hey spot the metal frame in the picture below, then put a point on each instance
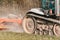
(57, 7)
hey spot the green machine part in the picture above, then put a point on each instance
(47, 4)
(43, 4)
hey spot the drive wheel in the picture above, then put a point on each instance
(56, 30)
(29, 25)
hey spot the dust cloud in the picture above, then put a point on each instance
(18, 8)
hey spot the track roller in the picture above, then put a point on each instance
(29, 24)
(56, 29)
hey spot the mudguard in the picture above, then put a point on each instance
(37, 10)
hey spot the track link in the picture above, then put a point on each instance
(44, 27)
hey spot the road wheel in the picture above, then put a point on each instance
(56, 30)
(29, 25)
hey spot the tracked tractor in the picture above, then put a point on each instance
(44, 20)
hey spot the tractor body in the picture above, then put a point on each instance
(44, 20)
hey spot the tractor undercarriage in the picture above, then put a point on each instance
(42, 25)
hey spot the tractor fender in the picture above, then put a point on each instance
(37, 11)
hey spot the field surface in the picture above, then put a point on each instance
(24, 36)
